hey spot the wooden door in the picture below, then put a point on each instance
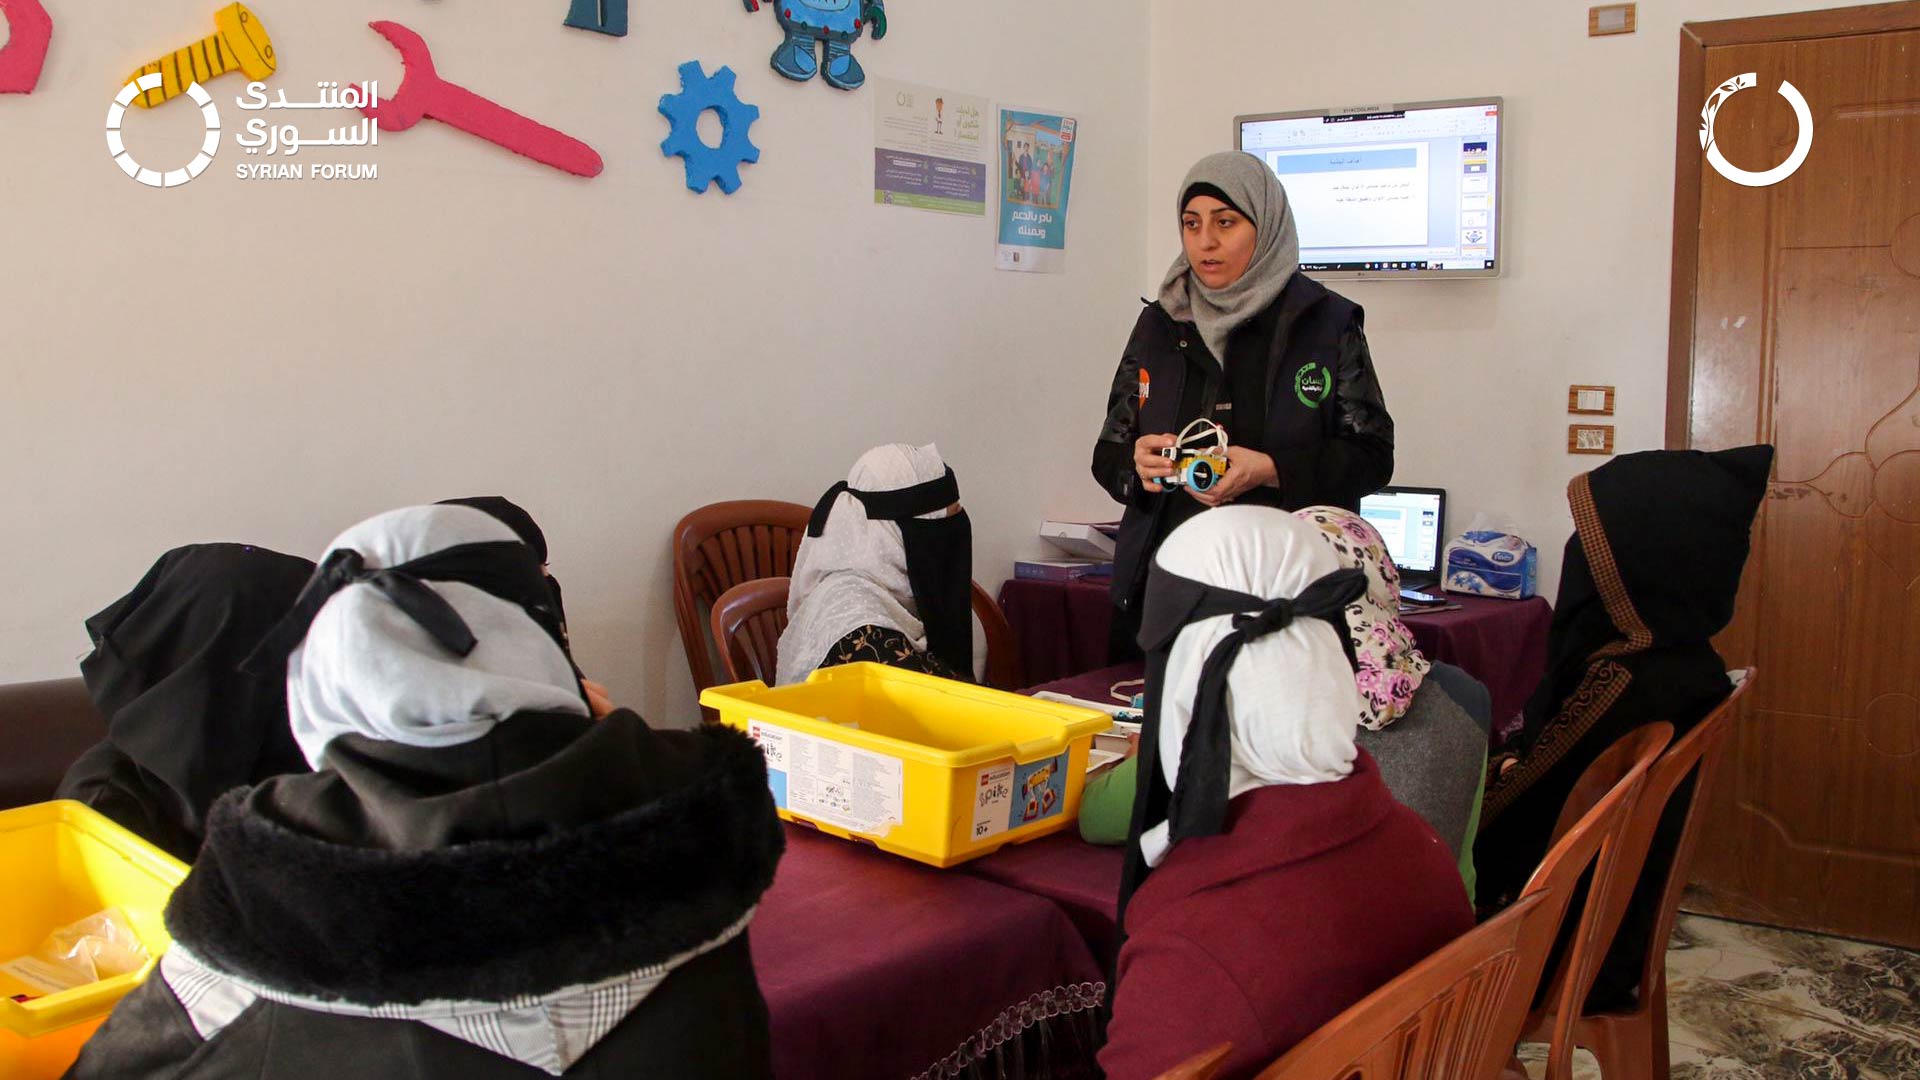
(1797, 322)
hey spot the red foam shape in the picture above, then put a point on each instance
(29, 28)
(423, 93)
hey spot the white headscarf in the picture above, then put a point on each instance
(1292, 705)
(854, 573)
(365, 667)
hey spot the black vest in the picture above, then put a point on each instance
(1302, 409)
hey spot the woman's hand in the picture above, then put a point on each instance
(1246, 470)
(1147, 462)
(599, 702)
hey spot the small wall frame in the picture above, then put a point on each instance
(1590, 400)
(1589, 438)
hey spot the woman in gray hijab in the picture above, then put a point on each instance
(1240, 337)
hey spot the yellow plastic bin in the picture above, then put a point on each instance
(62, 862)
(932, 769)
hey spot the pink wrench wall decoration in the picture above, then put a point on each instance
(423, 93)
(29, 28)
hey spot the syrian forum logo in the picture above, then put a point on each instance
(258, 138)
(175, 177)
(1728, 169)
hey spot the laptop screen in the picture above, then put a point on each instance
(1410, 520)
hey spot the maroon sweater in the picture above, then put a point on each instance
(1313, 897)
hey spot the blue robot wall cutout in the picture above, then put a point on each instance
(835, 25)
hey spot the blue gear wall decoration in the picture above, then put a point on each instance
(709, 164)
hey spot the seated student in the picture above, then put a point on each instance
(1650, 575)
(1430, 751)
(479, 881)
(1264, 844)
(184, 724)
(885, 571)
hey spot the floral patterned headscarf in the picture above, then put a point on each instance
(1390, 666)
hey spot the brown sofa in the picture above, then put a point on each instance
(44, 726)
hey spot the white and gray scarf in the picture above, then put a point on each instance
(855, 573)
(1256, 192)
(365, 667)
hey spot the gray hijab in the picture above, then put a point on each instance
(1256, 191)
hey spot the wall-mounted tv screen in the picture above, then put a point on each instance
(1389, 191)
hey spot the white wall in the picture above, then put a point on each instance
(1476, 372)
(272, 361)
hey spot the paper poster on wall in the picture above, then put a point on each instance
(930, 148)
(1036, 176)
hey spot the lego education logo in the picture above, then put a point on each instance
(1801, 145)
(260, 137)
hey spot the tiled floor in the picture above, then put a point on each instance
(1753, 1003)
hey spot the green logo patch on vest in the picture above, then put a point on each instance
(1312, 383)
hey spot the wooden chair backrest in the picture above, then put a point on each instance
(1697, 754)
(1201, 1066)
(746, 624)
(1459, 1012)
(1443, 1017)
(722, 545)
(1005, 669)
(1593, 823)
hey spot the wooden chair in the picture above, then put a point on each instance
(747, 620)
(719, 546)
(1443, 1018)
(1458, 1014)
(1632, 1045)
(1613, 784)
(1201, 1066)
(1005, 668)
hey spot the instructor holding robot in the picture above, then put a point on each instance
(1239, 342)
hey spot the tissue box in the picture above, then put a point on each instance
(1486, 563)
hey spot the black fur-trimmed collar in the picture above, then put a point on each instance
(487, 920)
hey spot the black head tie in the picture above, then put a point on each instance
(900, 504)
(1198, 806)
(341, 568)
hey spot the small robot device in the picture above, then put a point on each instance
(1197, 464)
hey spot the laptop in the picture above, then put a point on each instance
(1413, 522)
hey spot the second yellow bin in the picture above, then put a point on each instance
(61, 862)
(932, 769)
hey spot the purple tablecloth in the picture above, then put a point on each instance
(873, 965)
(1061, 628)
(1080, 877)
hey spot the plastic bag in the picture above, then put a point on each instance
(97, 947)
